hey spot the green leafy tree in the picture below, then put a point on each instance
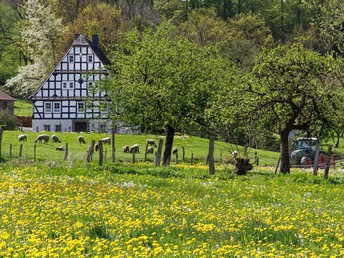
(101, 19)
(162, 81)
(290, 88)
(39, 32)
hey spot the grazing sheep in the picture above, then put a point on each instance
(126, 149)
(81, 139)
(150, 142)
(150, 150)
(134, 149)
(235, 154)
(174, 150)
(42, 137)
(106, 140)
(22, 138)
(60, 148)
(55, 138)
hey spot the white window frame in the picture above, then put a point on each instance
(57, 109)
(58, 128)
(48, 109)
(79, 108)
(90, 58)
(64, 85)
(46, 127)
(70, 58)
(71, 85)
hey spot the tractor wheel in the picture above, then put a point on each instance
(322, 159)
(306, 161)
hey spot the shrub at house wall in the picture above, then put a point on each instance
(8, 121)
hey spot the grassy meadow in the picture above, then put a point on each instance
(56, 208)
(78, 152)
(22, 107)
(120, 210)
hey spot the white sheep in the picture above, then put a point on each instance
(55, 138)
(134, 149)
(42, 137)
(81, 139)
(22, 138)
(106, 140)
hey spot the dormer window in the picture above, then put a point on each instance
(70, 58)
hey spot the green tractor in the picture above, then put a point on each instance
(304, 153)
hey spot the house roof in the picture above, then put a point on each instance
(4, 96)
(81, 40)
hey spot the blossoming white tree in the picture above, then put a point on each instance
(39, 32)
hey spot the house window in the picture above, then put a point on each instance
(57, 107)
(64, 85)
(81, 107)
(70, 59)
(102, 128)
(57, 128)
(4, 104)
(47, 128)
(71, 85)
(90, 58)
(47, 108)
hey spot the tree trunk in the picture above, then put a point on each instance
(284, 152)
(168, 145)
(336, 145)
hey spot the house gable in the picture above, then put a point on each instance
(62, 95)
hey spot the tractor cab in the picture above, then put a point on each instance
(305, 143)
(304, 151)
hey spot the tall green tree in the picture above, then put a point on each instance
(39, 32)
(162, 81)
(290, 88)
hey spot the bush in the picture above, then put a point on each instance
(8, 121)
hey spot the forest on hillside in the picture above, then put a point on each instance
(245, 25)
(246, 71)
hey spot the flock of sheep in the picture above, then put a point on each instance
(126, 149)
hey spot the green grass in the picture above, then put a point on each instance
(22, 107)
(77, 152)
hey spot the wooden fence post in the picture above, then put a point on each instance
(113, 150)
(183, 153)
(211, 156)
(316, 160)
(221, 156)
(20, 150)
(100, 150)
(10, 151)
(34, 152)
(278, 162)
(328, 161)
(191, 160)
(66, 152)
(158, 153)
(1, 133)
(146, 151)
(90, 151)
(177, 158)
(134, 156)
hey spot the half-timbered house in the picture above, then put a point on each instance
(62, 101)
